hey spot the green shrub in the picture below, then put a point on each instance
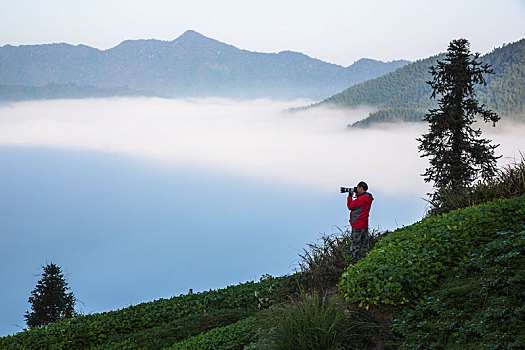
(234, 336)
(482, 305)
(407, 263)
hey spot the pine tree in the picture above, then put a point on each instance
(50, 300)
(458, 156)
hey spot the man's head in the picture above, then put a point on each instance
(362, 187)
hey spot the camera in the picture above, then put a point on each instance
(348, 189)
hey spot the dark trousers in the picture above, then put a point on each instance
(360, 244)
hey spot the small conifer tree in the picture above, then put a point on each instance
(458, 156)
(50, 300)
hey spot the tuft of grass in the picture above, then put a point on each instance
(508, 182)
(316, 321)
(323, 262)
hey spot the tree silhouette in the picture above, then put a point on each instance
(458, 156)
(50, 300)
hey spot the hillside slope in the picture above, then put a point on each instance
(404, 268)
(186, 315)
(404, 94)
(190, 65)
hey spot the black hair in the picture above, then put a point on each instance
(363, 185)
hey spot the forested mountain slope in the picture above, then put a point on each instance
(404, 95)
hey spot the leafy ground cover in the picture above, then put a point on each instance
(89, 331)
(406, 264)
(234, 336)
(167, 334)
(479, 306)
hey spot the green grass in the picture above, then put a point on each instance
(508, 182)
(317, 321)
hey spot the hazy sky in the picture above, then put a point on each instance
(338, 31)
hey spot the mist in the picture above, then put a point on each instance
(311, 149)
(257, 138)
(144, 198)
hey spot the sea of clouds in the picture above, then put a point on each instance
(258, 138)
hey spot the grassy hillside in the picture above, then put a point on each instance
(453, 281)
(156, 324)
(403, 94)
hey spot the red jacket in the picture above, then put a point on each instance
(359, 210)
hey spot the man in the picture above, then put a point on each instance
(359, 211)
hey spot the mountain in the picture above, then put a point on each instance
(60, 91)
(191, 65)
(404, 95)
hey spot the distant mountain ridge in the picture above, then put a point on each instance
(404, 95)
(61, 91)
(191, 65)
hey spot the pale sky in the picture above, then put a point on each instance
(338, 31)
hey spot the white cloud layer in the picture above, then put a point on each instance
(311, 149)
